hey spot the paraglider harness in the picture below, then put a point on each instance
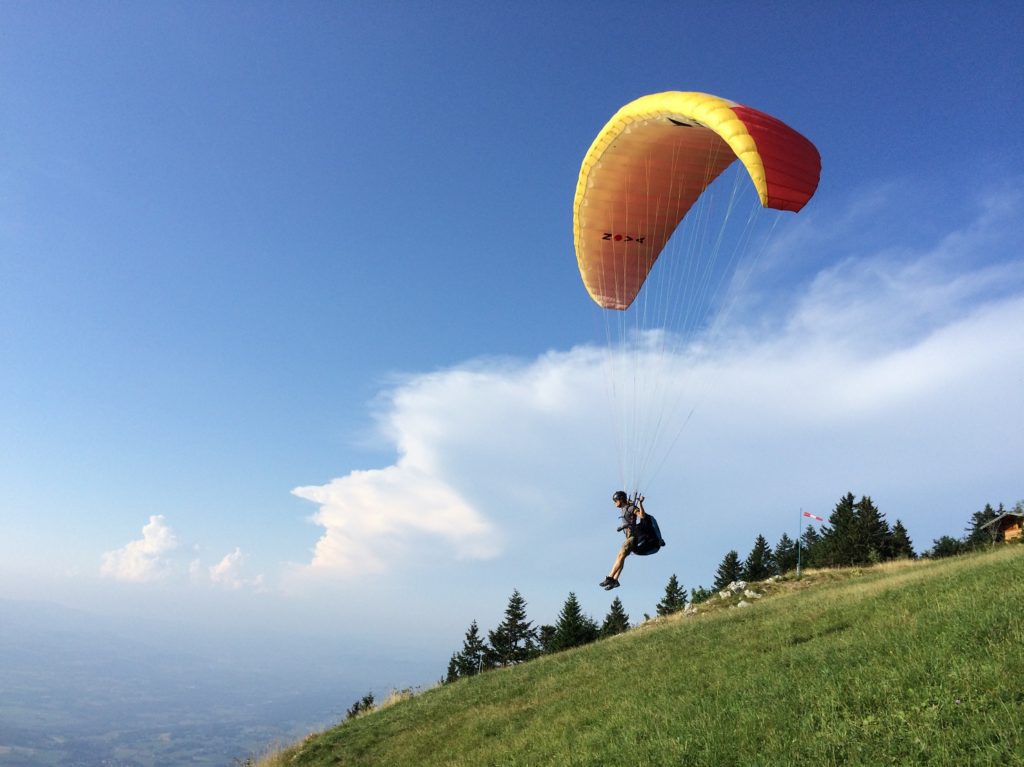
(646, 535)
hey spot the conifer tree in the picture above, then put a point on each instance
(976, 536)
(839, 539)
(811, 544)
(573, 628)
(616, 621)
(902, 546)
(515, 640)
(946, 546)
(730, 570)
(872, 536)
(700, 594)
(674, 599)
(470, 660)
(546, 638)
(453, 669)
(759, 563)
(785, 555)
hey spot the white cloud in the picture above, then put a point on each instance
(897, 375)
(153, 558)
(372, 517)
(145, 559)
(228, 573)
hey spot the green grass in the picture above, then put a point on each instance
(902, 664)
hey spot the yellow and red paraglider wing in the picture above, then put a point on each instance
(652, 161)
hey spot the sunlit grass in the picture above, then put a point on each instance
(904, 663)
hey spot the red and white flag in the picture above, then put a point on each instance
(812, 516)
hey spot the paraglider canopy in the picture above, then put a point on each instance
(651, 162)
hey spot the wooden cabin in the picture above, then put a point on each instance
(1006, 526)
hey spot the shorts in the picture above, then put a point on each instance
(627, 546)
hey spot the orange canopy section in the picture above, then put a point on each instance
(651, 162)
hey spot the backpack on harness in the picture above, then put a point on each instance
(647, 536)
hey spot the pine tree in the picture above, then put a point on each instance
(674, 599)
(470, 660)
(902, 546)
(946, 546)
(873, 539)
(759, 563)
(785, 555)
(839, 539)
(453, 670)
(976, 536)
(700, 594)
(616, 621)
(515, 640)
(730, 570)
(573, 628)
(811, 545)
(546, 638)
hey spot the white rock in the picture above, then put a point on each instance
(743, 603)
(751, 594)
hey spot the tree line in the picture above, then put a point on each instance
(855, 534)
(517, 640)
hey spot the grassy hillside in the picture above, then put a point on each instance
(901, 664)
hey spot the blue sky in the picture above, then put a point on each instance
(293, 325)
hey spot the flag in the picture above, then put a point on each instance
(812, 516)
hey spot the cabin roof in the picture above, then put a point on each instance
(1005, 514)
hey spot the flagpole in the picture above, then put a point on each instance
(799, 543)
